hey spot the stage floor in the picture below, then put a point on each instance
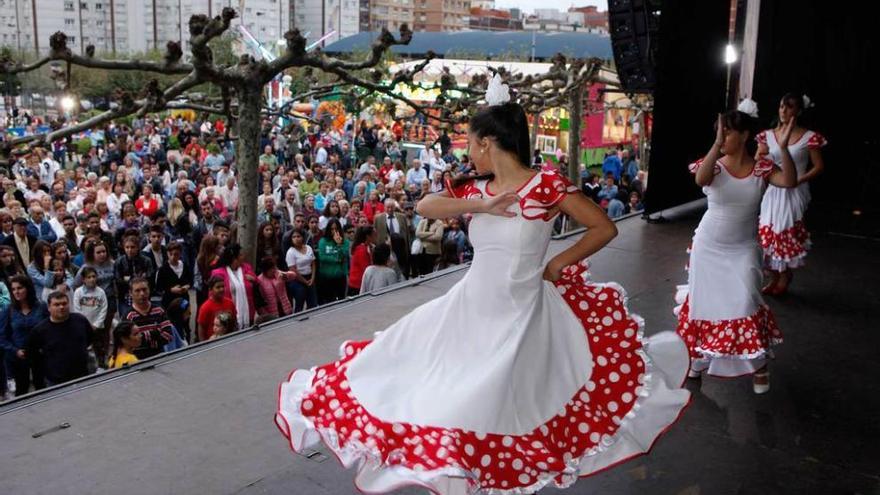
(202, 421)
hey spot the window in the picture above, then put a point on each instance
(68, 6)
(69, 22)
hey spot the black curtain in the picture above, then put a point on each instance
(828, 51)
(691, 77)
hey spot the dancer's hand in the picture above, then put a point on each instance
(719, 131)
(498, 205)
(553, 271)
(786, 132)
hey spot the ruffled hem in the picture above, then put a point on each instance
(610, 432)
(785, 249)
(745, 338)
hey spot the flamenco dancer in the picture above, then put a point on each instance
(522, 374)
(781, 229)
(722, 318)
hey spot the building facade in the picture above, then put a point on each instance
(441, 15)
(317, 18)
(391, 14)
(493, 20)
(129, 26)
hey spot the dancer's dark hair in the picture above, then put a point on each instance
(508, 125)
(743, 122)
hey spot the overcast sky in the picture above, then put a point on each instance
(530, 5)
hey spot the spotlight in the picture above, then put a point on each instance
(68, 103)
(729, 54)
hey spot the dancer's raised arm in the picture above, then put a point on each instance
(443, 205)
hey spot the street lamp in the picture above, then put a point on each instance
(68, 104)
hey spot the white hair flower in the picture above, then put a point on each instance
(807, 102)
(748, 107)
(497, 93)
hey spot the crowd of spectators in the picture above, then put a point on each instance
(119, 244)
(122, 248)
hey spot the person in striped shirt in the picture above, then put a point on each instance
(150, 321)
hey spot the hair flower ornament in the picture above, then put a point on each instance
(748, 107)
(497, 93)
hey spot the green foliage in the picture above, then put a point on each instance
(83, 146)
(173, 142)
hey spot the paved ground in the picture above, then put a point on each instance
(201, 422)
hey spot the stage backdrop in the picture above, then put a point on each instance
(828, 50)
(690, 93)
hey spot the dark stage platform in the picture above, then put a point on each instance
(201, 421)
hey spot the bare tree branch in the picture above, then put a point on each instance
(60, 52)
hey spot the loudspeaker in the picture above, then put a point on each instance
(634, 26)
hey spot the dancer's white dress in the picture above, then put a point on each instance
(782, 233)
(502, 385)
(721, 315)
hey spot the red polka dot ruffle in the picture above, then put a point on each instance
(586, 425)
(743, 338)
(787, 245)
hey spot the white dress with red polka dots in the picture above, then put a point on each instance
(721, 315)
(505, 383)
(781, 232)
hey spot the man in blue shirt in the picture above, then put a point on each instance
(39, 227)
(612, 165)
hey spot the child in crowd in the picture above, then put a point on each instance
(379, 274)
(273, 287)
(90, 300)
(125, 341)
(224, 324)
(216, 303)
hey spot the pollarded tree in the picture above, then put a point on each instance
(240, 83)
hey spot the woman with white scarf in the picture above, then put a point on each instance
(240, 280)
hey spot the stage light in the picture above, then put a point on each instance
(68, 103)
(729, 54)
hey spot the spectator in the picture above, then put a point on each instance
(455, 234)
(217, 302)
(131, 265)
(630, 165)
(239, 283)
(90, 300)
(125, 340)
(379, 274)
(635, 201)
(39, 227)
(224, 323)
(97, 257)
(393, 227)
(154, 250)
(333, 256)
(149, 320)
(147, 204)
(16, 326)
(608, 191)
(430, 234)
(61, 342)
(180, 314)
(301, 258)
(449, 256)
(416, 174)
(361, 256)
(612, 165)
(591, 187)
(21, 242)
(175, 278)
(272, 283)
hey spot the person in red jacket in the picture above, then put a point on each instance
(361, 257)
(148, 204)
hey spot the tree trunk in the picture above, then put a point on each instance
(575, 117)
(536, 122)
(248, 155)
